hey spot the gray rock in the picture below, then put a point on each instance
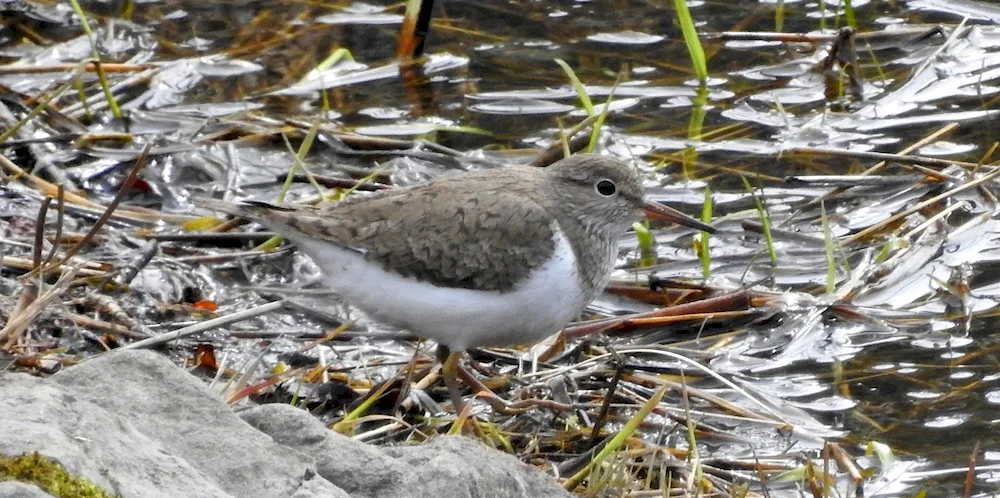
(90, 442)
(173, 407)
(136, 425)
(11, 489)
(358, 468)
(319, 488)
(447, 466)
(454, 466)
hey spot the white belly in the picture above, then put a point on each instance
(458, 318)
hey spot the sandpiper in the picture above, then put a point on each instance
(497, 257)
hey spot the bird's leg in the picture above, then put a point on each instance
(449, 371)
(470, 380)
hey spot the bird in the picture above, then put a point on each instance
(496, 257)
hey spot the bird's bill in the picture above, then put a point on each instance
(657, 211)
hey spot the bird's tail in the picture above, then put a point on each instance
(254, 210)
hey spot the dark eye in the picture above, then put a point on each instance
(606, 188)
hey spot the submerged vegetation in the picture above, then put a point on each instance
(859, 158)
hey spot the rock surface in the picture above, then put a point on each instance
(447, 466)
(12, 489)
(138, 426)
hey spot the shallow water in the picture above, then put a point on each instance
(903, 367)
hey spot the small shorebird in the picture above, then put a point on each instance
(498, 257)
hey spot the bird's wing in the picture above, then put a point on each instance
(451, 237)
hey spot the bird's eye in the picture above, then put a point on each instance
(606, 188)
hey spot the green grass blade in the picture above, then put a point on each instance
(344, 425)
(647, 250)
(691, 40)
(40, 108)
(831, 262)
(849, 14)
(472, 130)
(270, 244)
(581, 91)
(765, 220)
(299, 160)
(689, 158)
(81, 93)
(274, 242)
(334, 58)
(595, 134)
(616, 442)
(703, 253)
(797, 474)
(779, 16)
(101, 76)
(882, 451)
(693, 455)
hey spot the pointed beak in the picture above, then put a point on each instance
(657, 211)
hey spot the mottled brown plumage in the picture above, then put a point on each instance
(456, 232)
(485, 230)
(499, 257)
